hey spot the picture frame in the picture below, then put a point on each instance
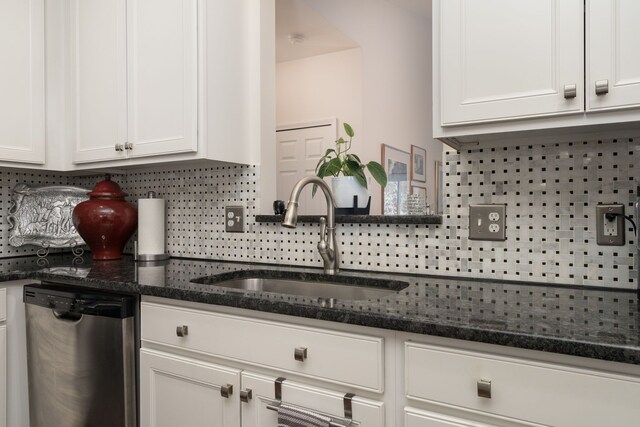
(438, 188)
(419, 189)
(418, 164)
(396, 164)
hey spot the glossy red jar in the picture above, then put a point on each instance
(106, 221)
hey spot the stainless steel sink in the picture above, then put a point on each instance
(308, 286)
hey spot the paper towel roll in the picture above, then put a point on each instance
(151, 227)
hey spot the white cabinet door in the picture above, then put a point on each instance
(613, 46)
(162, 76)
(178, 391)
(98, 79)
(502, 59)
(22, 104)
(255, 413)
(419, 418)
(3, 376)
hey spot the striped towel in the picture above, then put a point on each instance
(288, 416)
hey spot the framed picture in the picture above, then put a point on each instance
(418, 164)
(439, 208)
(419, 189)
(394, 196)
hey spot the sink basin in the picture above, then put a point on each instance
(306, 285)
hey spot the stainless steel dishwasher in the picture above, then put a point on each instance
(81, 357)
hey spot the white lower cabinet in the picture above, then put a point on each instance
(3, 375)
(177, 391)
(191, 352)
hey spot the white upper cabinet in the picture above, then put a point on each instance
(22, 101)
(613, 46)
(502, 59)
(505, 67)
(162, 68)
(98, 79)
(134, 78)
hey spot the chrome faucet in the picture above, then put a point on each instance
(327, 246)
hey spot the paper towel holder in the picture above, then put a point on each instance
(148, 257)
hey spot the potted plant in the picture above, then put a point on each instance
(348, 174)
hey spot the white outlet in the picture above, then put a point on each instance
(610, 227)
(494, 228)
(494, 216)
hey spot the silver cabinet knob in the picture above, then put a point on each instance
(128, 145)
(602, 87)
(182, 331)
(226, 390)
(300, 354)
(119, 147)
(484, 389)
(570, 91)
(246, 395)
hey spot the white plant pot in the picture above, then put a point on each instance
(345, 187)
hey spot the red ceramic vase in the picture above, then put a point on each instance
(106, 221)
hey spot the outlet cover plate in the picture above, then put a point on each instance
(234, 219)
(487, 222)
(610, 233)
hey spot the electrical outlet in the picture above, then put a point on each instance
(610, 231)
(487, 222)
(234, 219)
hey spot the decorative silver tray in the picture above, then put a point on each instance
(41, 216)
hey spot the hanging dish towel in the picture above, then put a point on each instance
(288, 416)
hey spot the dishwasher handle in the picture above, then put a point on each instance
(66, 315)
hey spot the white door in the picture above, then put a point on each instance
(178, 391)
(419, 418)
(366, 412)
(298, 150)
(98, 79)
(22, 105)
(505, 59)
(162, 69)
(613, 61)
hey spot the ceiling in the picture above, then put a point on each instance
(295, 17)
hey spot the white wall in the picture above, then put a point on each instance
(395, 48)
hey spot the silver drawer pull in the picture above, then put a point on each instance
(119, 147)
(570, 91)
(128, 145)
(246, 395)
(484, 389)
(602, 87)
(182, 331)
(300, 354)
(226, 390)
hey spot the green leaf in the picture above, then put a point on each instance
(359, 176)
(340, 141)
(321, 170)
(354, 158)
(351, 168)
(377, 172)
(313, 191)
(333, 167)
(348, 129)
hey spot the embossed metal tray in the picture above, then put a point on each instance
(41, 216)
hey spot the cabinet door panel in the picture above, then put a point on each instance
(503, 60)
(255, 413)
(22, 104)
(162, 53)
(3, 376)
(613, 37)
(98, 79)
(178, 391)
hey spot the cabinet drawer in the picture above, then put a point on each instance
(3, 304)
(338, 357)
(520, 389)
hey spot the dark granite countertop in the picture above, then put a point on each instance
(589, 322)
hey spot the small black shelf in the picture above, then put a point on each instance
(361, 219)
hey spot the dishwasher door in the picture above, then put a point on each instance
(80, 357)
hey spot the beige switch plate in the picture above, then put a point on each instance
(487, 222)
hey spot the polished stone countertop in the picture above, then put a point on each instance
(590, 322)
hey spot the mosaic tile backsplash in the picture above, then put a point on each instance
(551, 191)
